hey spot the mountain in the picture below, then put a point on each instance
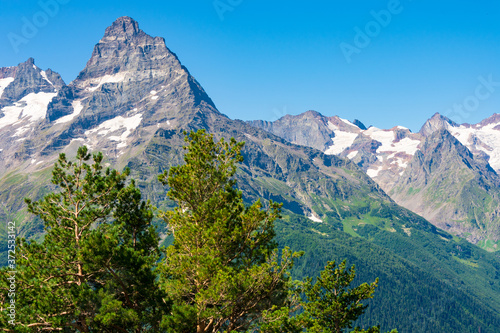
(452, 188)
(393, 158)
(134, 100)
(482, 139)
(382, 154)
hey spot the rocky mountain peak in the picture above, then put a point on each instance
(312, 114)
(359, 124)
(27, 78)
(494, 119)
(435, 123)
(126, 51)
(123, 27)
(132, 79)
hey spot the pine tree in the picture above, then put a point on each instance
(93, 272)
(331, 304)
(222, 268)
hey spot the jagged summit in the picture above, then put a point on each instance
(131, 83)
(24, 79)
(436, 122)
(359, 124)
(126, 48)
(123, 27)
(493, 119)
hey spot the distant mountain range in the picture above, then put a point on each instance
(446, 172)
(134, 100)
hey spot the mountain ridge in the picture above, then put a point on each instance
(386, 154)
(135, 100)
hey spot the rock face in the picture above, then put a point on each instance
(453, 189)
(25, 92)
(436, 123)
(25, 79)
(308, 129)
(129, 77)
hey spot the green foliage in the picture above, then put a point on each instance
(93, 270)
(329, 305)
(332, 304)
(223, 269)
(422, 287)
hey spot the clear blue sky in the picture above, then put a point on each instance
(267, 58)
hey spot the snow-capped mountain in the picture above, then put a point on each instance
(382, 154)
(133, 101)
(483, 139)
(394, 159)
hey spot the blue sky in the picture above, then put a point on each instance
(261, 59)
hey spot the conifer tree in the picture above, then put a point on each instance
(331, 304)
(223, 268)
(93, 270)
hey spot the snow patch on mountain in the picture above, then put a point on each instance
(406, 145)
(4, 83)
(373, 172)
(32, 106)
(314, 218)
(115, 78)
(21, 130)
(341, 141)
(347, 122)
(117, 124)
(77, 107)
(385, 137)
(485, 138)
(352, 154)
(44, 75)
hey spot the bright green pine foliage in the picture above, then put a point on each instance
(93, 270)
(222, 269)
(332, 304)
(329, 305)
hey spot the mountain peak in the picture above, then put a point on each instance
(359, 124)
(493, 119)
(312, 114)
(126, 48)
(30, 61)
(436, 122)
(123, 27)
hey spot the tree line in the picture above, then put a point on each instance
(99, 267)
